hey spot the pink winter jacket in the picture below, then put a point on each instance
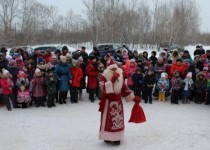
(38, 86)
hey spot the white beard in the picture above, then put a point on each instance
(117, 86)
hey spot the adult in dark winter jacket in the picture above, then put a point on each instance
(95, 52)
(92, 73)
(199, 50)
(64, 77)
(13, 69)
(159, 68)
(145, 55)
(65, 50)
(138, 82)
(201, 86)
(118, 56)
(30, 69)
(3, 62)
(186, 56)
(135, 55)
(3, 50)
(84, 55)
(153, 58)
(202, 63)
(149, 81)
(208, 55)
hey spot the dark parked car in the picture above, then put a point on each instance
(112, 47)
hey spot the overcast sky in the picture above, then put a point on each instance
(77, 6)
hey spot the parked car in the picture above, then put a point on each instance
(175, 46)
(112, 47)
(170, 47)
(51, 47)
(29, 49)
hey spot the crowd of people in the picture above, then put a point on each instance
(46, 78)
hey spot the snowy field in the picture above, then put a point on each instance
(75, 127)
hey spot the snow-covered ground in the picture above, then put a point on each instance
(75, 127)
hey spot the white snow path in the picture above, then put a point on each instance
(75, 127)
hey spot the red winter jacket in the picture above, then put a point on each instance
(6, 86)
(181, 68)
(92, 74)
(48, 58)
(76, 73)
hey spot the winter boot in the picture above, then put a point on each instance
(159, 96)
(163, 96)
(61, 98)
(24, 105)
(116, 143)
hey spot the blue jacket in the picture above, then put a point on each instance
(62, 73)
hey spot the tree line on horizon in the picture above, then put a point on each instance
(29, 22)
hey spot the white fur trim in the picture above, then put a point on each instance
(110, 136)
(112, 66)
(109, 87)
(117, 86)
(130, 97)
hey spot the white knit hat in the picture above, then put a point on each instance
(163, 75)
(5, 72)
(37, 71)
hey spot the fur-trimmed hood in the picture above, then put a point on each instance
(201, 74)
(117, 86)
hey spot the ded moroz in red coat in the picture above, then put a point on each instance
(76, 73)
(111, 106)
(92, 74)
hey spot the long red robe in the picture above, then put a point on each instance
(111, 106)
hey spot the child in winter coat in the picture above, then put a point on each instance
(176, 86)
(138, 82)
(188, 86)
(38, 88)
(162, 86)
(82, 65)
(201, 86)
(7, 93)
(51, 82)
(149, 81)
(131, 71)
(23, 96)
(101, 70)
(92, 73)
(76, 73)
